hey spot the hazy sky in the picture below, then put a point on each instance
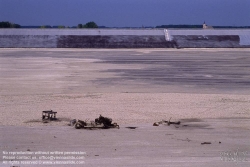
(128, 13)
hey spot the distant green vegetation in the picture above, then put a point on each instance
(6, 24)
(46, 26)
(88, 25)
(61, 26)
(79, 26)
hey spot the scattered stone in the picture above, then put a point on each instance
(72, 122)
(206, 143)
(156, 124)
(131, 127)
(80, 124)
(167, 122)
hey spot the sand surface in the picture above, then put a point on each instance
(123, 108)
(210, 88)
(130, 86)
(146, 145)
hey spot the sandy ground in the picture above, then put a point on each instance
(146, 145)
(132, 86)
(141, 86)
(123, 108)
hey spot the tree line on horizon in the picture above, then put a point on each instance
(92, 24)
(87, 25)
(6, 24)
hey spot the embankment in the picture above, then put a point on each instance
(123, 38)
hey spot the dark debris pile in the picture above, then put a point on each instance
(99, 123)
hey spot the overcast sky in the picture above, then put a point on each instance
(129, 13)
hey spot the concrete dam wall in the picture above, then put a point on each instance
(123, 38)
(210, 38)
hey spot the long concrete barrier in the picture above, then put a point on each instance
(83, 38)
(123, 38)
(210, 38)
